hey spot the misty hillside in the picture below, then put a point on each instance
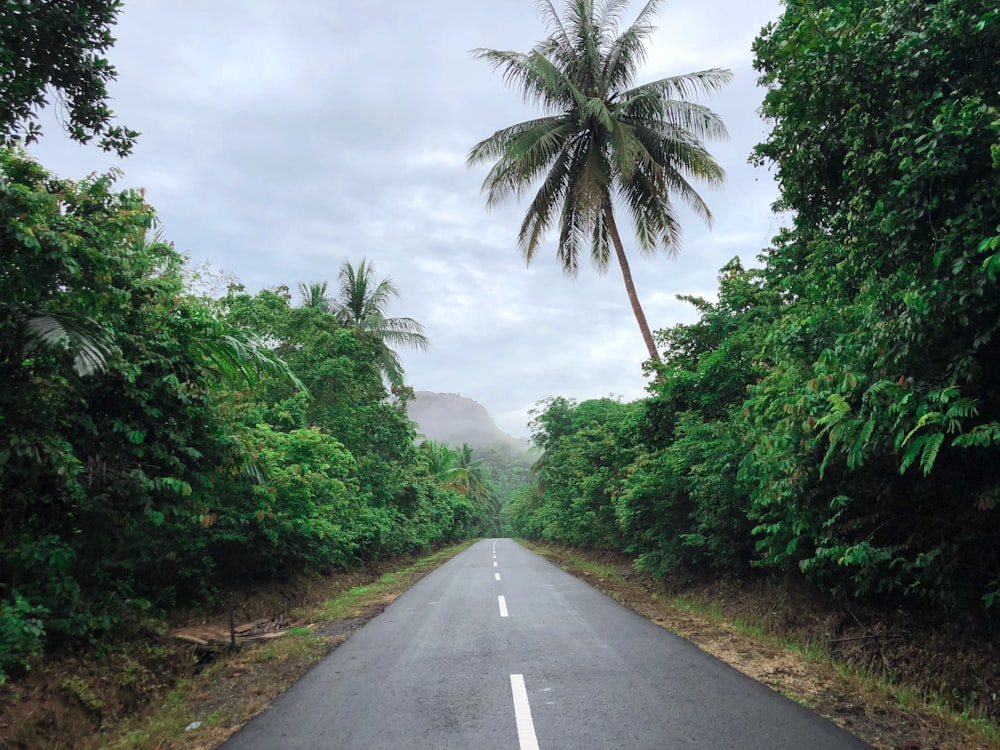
(453, 419)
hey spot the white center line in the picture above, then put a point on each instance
(494, 563)
(522, 714)
(503, 606)
(497, 576)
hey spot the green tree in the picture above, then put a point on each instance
(604, 141)
(459, 470)
(58, 46)
(362, 303)
(508, 468)
(440, 461)
(578, 477)
(876, 427)
(681, 504)
(180, 453)
(104, 471)
(403, 506)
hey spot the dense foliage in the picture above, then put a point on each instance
(57, 47)
(836, 412)
(585, 446)
(362, 303)
(156, 445)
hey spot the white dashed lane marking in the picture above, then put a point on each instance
(522, 714)
(503, 606)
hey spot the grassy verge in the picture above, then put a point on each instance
(886, 713)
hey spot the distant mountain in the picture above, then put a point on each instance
(453, 419)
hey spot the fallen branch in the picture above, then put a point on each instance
(219, 637)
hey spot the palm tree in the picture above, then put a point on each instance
(458, 470)
(361, 303)
(474, 476)
(602, 141)
(443, 463)
(479, 487)
(314, 296)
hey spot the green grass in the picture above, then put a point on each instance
(339, 607)
(601, 570)
(348, 603)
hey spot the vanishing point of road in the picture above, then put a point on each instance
(500, 650)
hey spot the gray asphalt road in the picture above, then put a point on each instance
(553, 665)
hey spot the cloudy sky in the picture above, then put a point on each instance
(279, 139)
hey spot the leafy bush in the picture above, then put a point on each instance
(21, 634)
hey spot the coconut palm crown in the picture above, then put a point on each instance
(604, 141)
(361, 303)
(314, 295)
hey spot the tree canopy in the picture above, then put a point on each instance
(362, 303)
(157, 446)
(56, 48)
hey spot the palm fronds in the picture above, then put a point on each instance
(89, 344)
(602, 138)
(361, 303)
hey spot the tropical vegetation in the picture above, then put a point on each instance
(362, 303)
(832, 415)
(835, 413)
(158, 446)
(56, 48)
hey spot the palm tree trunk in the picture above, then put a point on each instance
(640, 316)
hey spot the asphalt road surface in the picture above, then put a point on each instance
(500, 650)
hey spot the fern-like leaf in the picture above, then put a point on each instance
(931, 448)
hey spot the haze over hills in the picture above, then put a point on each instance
(453, 419)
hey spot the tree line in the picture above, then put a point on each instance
(835, 412)
(158, 445)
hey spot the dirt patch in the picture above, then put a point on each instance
(341, 627)
(158, 693)
(790, 639)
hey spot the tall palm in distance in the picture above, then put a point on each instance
(315, 295)
(362, 303)
(604, 140)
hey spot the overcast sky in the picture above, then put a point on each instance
(281, 138)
